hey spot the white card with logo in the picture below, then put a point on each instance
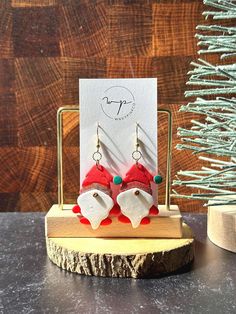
(117, 105)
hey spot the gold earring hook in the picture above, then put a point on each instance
(97, 156)
(98, 139)
(136, 155)
(137, 139)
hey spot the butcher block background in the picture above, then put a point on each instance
(46, 46)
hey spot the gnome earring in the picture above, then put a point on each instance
(135, 197)
(94, 201)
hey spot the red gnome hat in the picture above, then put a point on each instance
(97, 175)
(138, 177)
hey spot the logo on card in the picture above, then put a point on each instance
(117, 102)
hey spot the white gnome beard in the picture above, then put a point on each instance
(95, 209)
(135, 207)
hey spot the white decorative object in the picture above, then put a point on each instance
(135, 204)
(221, 226)
(117, 104)
(95, 206)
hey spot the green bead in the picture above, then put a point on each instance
(157, 179)
(117, 180)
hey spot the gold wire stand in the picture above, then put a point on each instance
(62, 110)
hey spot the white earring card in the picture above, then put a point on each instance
(117, 105)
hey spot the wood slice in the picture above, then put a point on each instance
(221, 226)
(137, 258)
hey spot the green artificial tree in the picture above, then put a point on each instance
(213, 136)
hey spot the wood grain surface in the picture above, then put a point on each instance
(109, 257)
(46, 46)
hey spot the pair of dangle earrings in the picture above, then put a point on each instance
(134, 202)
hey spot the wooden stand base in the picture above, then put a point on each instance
(221, 226)
(65, 224)
(107, 257)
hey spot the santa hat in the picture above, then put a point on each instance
(97, 175)
(138, 176)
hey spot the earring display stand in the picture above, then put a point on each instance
(118, 250)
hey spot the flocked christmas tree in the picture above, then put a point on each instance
(213, 136)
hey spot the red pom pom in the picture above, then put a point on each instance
(145, 221)
(115, 211)
(84, 221)
(106, 221)
(153, 210)
(76, 209)
(124, 219)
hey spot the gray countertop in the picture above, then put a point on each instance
(30, 283)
